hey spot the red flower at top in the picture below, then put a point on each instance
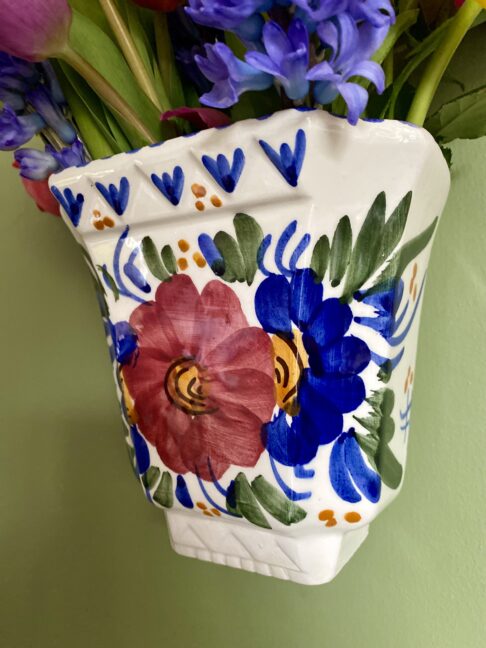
(202, 380)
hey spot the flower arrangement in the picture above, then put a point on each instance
(96, 77)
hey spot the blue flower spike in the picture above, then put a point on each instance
(227, 177)
(288, 162)
(170, 186)
(117, 198)
(72, 205)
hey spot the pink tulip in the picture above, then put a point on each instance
(34, 30)
(40, 192)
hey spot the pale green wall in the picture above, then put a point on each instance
(85, 562)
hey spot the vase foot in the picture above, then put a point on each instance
(311, 559)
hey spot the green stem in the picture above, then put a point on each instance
(129, 50)
(439, 62)
(107, 93)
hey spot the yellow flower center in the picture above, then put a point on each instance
(187, 387)
(290, 360)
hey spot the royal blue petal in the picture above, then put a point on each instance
(368, 482)
(182, 493)
(339, 476)
(272, 305)
(142, 453)
(124, 341)
(306, 296)
(329, 323)
(318, 418)
(290, 445)
(350, 355)
(346, 393)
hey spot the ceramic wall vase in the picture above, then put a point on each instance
(261, 287)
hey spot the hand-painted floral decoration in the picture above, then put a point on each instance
(201, 379)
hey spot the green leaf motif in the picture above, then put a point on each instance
(273, 501)
(110, 281)
(381, 429)
(151, 477)
(342, 242)
(153, 259)
(249, 235)
(462, 118)
(366, 251)
(168, 259)
(163, 495)
(247, 503)
(320, 258)
(234, 263)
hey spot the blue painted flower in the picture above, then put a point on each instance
(41, 100)
(227, 177)
(16, 130)
(116, 197)
(230, 76)
(239, 16)
(286, 58)
(349, 472)
(288, 162)
(72, 205)
(351, 45)
(320, 362)
(124, 341)
(170, 187)
(35, 164)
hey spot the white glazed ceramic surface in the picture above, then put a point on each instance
(266, 360)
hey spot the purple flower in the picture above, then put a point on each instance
(231, 77)
(319, 10)
(13, 66)
(34, 164)
(14, 100)
(286, 58)
(70, 156)
(53, 84)
(16, 130)
(351, 46)
(34, 30)
(379, 13)
(233, 15)
(43, 103)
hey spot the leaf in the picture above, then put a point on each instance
(462, 118)
(247, 503)
(92, 10)
(230, 251)
(231, 504)
(168, 259)
(96, 47)
(150, 478)
(273, 501)
(249, 235)
(394, 228)
(320, 258)
(365, 255)
(109, 281)
(168, 74)
(164, 493)
(115, 130)
(153, 259)
(404, 256)
(340, 251)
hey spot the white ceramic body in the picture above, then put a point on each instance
(341, 172)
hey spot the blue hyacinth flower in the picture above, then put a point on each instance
(35, 164)
(286, 57)
(349, 472)
(319, 10)
(170, 187)
(230, 76)
(72, 205)
(288, 162)
(239, 16)
(227, 177)
(51, 113)
(69, 156)
(117, 198)
(17, 130)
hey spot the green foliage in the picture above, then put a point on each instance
(464, 117)
(381, 429)
(168, 259)
(154, 260)
(151, 477)
(340, 251)
(163, 494)
(249, 235)
(247, 503)
(320, 258)
(275, 503)
(110, 281)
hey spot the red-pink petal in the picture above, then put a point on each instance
(201, 118)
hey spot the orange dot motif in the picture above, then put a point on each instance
(99, 222)
(208, 512)
(327, 516)
(352, 517)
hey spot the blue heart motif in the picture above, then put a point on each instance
(288, 162)
(170, 187)
(117, 198)
(227, 177)
(72, 205)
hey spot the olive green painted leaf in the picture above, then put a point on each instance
(231, 503)
(233, 260)
(168, 259)
(273, 501)
(381, 428)
(340, 251)
(393, 229)
(247, 503)
(153, 259)
(163, 495)
(404, 256)
(366, 250)
(320, 258)
(249, 235)
(462, 118)
(151, 477)
(110, 281)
